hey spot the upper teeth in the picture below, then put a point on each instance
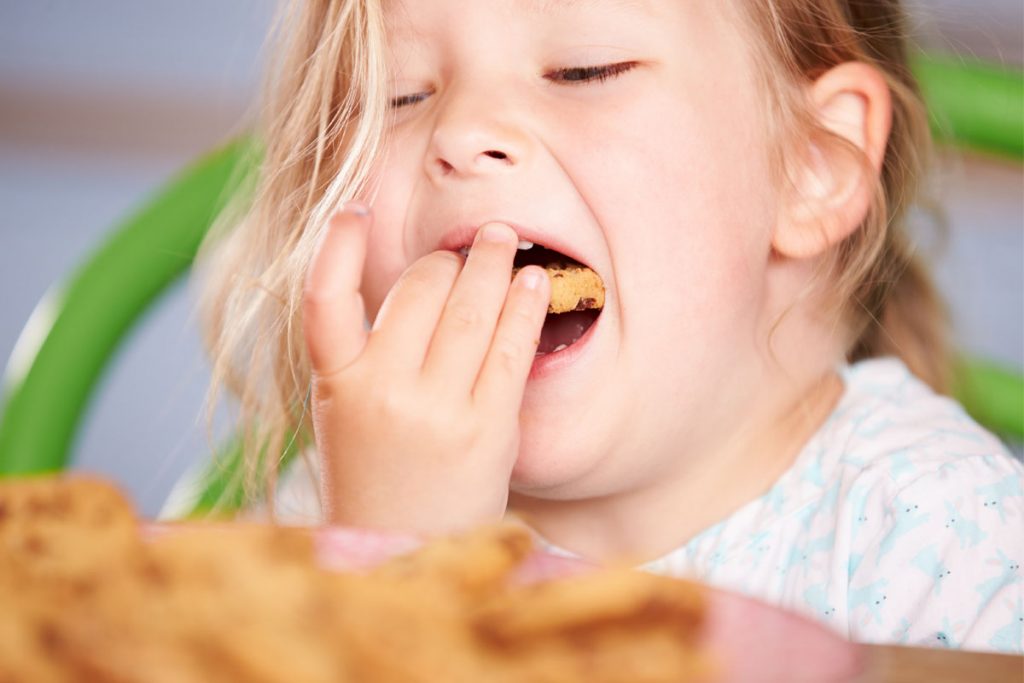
(523, 245)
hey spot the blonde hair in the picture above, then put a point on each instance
(321, 129)
(324, 124)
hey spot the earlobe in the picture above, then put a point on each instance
(832, 187)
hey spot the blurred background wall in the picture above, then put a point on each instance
(102, 101)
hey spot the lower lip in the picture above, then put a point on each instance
(550, 363)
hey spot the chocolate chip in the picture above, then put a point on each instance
(585, 303)
(49, 637)
(35, 545)
(154, 574)
(84, 588)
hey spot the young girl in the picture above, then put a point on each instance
(757, 404)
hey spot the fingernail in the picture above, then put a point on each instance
(358, 208)
(497, 232)
(532, 278)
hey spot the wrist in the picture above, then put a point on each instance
(443, 514)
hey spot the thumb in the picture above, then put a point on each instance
(333, 311)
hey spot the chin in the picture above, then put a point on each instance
(550, 469)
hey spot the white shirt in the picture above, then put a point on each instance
(901, 521)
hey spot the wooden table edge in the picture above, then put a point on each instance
(898, 664)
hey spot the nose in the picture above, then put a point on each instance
(474, 136)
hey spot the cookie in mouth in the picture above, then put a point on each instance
(577, 296)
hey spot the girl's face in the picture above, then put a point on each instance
(656, 177)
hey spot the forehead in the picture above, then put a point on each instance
(674, 26)
(411, 23)
(400, 12)
(544, 6)
(553, 6)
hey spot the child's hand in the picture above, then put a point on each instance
(417, 421)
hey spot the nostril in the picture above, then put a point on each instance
(444, 167)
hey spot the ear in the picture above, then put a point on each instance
(832, 189)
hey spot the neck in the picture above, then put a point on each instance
(642, 524)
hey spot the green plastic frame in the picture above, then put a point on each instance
(78, 326)
(973, 103)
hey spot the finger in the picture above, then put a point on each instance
(467, 324)
(408, 317)
(507, 366)
(333, 312)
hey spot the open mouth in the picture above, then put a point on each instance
(577, 296)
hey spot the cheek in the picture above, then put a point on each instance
(708, 230)
(700, 196)
(385, 252)
(380, 273)
(692, 218)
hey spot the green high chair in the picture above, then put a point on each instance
(77, 327)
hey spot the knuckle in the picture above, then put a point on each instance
(417, 277)
(463, 314)
(331, 393)
(413, 418)
(453, 426)
(452, 259)
(524, 314)
(315, 298)
(386, 405)
(356, 399)
(444, 262)
(509, 355)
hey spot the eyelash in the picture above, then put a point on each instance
(598, 73)
(584, 74)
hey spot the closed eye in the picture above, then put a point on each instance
(584, 74)
(571, 76)
(406, 100)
